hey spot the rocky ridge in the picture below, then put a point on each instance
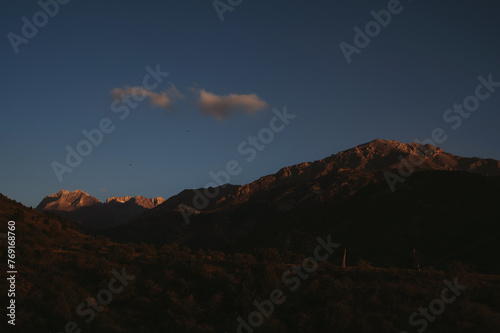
(80, 206)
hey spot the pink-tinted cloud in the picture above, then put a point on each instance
(222, 107)
(162, 99)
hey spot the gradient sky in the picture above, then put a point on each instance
(285, 52)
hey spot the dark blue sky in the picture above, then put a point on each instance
(276, 53)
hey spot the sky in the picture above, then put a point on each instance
(228, 80)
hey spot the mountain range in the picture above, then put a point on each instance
(346, 194)
(80, 206)
(204, 257)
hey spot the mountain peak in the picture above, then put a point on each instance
(65, 200)
(118, 199)
(64, 192)
(59, 194)
(138, 200)
(394, 144)
(374, 156)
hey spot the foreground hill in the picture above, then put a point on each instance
(79, 206)
(174, 289)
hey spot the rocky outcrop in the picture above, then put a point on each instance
(139, 200)
(80, 206)
(67, 201)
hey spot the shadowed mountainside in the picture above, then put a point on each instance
(345, 194)
(175, 289)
